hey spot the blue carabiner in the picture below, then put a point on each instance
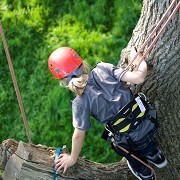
(58, 152)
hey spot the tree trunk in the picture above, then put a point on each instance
(23, 161)
(162, 85)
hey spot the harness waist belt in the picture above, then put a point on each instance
(130, 116)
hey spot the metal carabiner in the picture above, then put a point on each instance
(142, 95)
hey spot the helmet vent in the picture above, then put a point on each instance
(56, 70)
(76, 55)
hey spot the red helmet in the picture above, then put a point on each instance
(63, 61)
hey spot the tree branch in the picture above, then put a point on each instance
(28, 161)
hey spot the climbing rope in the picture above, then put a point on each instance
(135, 157)
(153, 32)
(15, 82)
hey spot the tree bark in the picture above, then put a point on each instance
(25, 161)
(162, 85)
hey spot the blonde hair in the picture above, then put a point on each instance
(78, 84)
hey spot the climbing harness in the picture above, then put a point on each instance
(130, 117)
(132, 114)
(153, 32)
(15, 83)
(58, 152)
(127, 120)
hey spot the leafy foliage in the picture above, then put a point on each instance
(97, 30)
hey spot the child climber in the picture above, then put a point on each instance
(102, 94)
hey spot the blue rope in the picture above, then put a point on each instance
(58, 152)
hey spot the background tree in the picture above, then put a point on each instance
(33, 29)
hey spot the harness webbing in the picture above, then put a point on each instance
(153, 32)
(129, 116)
(15, 83)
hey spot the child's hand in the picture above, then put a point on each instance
(64, 162)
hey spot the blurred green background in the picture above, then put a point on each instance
(97, 29)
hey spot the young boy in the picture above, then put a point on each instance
(102, 94)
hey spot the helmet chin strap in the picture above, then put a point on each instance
(77, 72)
